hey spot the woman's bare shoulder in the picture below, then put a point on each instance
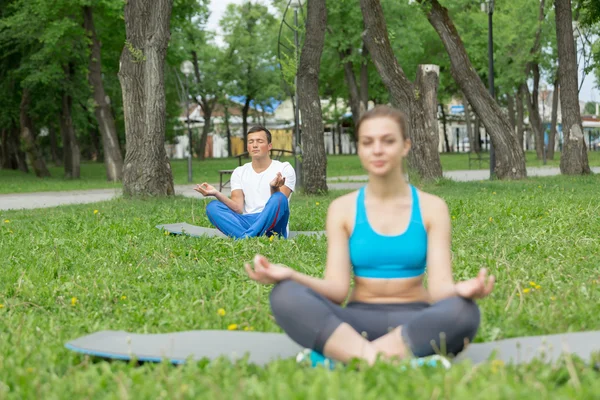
(432, 207)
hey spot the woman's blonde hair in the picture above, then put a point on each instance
(389, 112)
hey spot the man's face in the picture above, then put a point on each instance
(258, 145)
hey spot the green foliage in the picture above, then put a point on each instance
(115, 270)
(590, 108)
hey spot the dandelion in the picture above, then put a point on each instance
(74, 301)
(123, 297)
(7, 221)
(538, 287)
(493, 192)
(453, 217)
(1, 306)
(532, 284)
(526, 290)
(166, 233)
(552, 298)
(271, 238)
(491, 219)
(221, 312)
(232, 327)
(95, 212)
(317, 203)
(496, 365)
(248, 328)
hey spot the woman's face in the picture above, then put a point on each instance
(381, 146)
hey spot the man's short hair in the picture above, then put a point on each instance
(260, 128)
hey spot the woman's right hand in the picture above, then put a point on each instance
(266, 273)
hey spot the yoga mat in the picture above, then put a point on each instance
(183, 228)
(264, 347)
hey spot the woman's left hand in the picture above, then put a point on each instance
(476, 288)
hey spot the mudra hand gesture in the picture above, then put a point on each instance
(476, 288)
(266, 273)
(278, 181)
(206, 190)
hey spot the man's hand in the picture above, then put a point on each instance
(476, 288)
(206, 190)
(278, 182)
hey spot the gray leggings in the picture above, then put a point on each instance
(309, 319)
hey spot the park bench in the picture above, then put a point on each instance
(276, 154)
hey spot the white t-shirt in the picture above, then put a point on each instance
(256, 187)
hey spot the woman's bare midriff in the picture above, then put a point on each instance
(405, 290)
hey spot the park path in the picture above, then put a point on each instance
(52, 199)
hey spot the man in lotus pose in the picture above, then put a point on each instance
(260, 192)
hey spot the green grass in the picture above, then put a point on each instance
(126, 275)
(93, 175)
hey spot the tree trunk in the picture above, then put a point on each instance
(444, 123)
(574, 160)
(473, 148)
(477, 129)
(228, 131)
(314, 168)
(355, 95)
(364, 80)
(532, 100)
(512, 117)
(552, 135)
(207, 109)
(147, 169)
(54, 145)
(417, 100)
(4, 152)
(510, 160)
(245, 110)
(18, 158)
(520, 117)
(113, 158)
(71, 151)
(28, 138)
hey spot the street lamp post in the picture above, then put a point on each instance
(488, 6)
(187, 68)
(295, 4)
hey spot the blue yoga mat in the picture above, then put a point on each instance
(262, 348)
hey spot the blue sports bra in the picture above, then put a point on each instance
(382, 256)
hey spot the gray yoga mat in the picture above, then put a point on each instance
(261, 347)
(183, 228)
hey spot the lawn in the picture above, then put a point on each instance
(93, 175)
(71, 271)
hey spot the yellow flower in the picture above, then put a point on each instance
(30, 370)
(493, 192)
(123, 297)
(232, 327)
(526, 290)
(73, 301)
(271, 238)
(453, 217)
(221, 312)
(7, 221)
(538, 287)
(532, 283)
(248, 328)
(10, 232)
(552, 298)
(539, 187)
(317, 203)
(496, 365)
(166, 233)
(1, 305)
(491, 219)
(95, 211)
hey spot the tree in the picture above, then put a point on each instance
(510, 159)
(113, 159)
(590, 107)
(574, 160)
(251, 42)
(418, 100)
(313, 149)
(147, 168)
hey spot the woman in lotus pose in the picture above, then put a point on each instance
(388, 234)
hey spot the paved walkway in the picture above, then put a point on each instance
(52, 199)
